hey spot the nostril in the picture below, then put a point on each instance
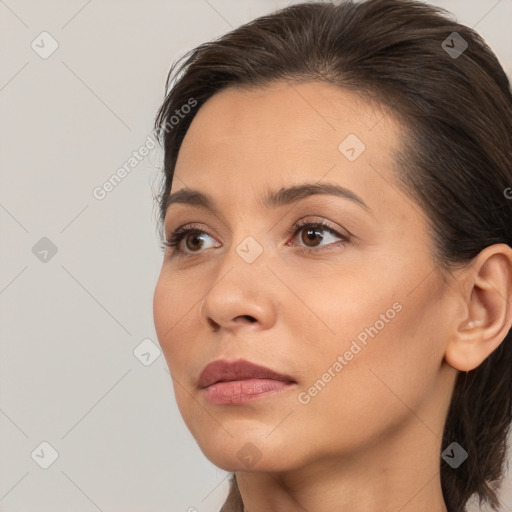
(214, 324)
(248, 317)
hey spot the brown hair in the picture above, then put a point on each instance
(456, 160)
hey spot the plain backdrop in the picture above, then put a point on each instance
(80, 369)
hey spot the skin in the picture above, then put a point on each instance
(370, 440)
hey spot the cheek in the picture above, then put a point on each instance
(385, 356)
(162, 305)
(176, 315)
(170, 317)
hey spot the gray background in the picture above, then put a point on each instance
(70, 324)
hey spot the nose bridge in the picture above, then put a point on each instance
(239, 288)
(249, 235)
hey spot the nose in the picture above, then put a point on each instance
(242, 297)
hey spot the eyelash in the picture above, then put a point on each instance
(180, 233)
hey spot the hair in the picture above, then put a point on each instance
(456, 159)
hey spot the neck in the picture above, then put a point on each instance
(400, 474)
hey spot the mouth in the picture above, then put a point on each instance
(237, 382)
(242, 391)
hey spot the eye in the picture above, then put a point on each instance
(182, 234)
(311, 236)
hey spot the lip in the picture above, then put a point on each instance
(238, 382)
(239, 370)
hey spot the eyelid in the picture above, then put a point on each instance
(176, 236)
(342, 231)
(169, 234)
(322, 222)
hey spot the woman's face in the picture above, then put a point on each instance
(357, 316)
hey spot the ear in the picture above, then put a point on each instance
(487, 299)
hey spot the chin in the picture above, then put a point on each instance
(251, 462)
(246, 451)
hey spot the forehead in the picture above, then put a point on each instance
(244, 143)
(287, 126)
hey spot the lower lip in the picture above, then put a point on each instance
(243, 391)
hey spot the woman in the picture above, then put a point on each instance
(335, 299)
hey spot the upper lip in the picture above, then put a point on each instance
(222, 370)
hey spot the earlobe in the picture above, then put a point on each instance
(488, 317)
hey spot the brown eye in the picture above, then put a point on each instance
(311, 235)
(193, 240)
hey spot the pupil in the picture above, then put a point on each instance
(196, 237)
(312, 234)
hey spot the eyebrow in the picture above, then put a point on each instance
(272, 199)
